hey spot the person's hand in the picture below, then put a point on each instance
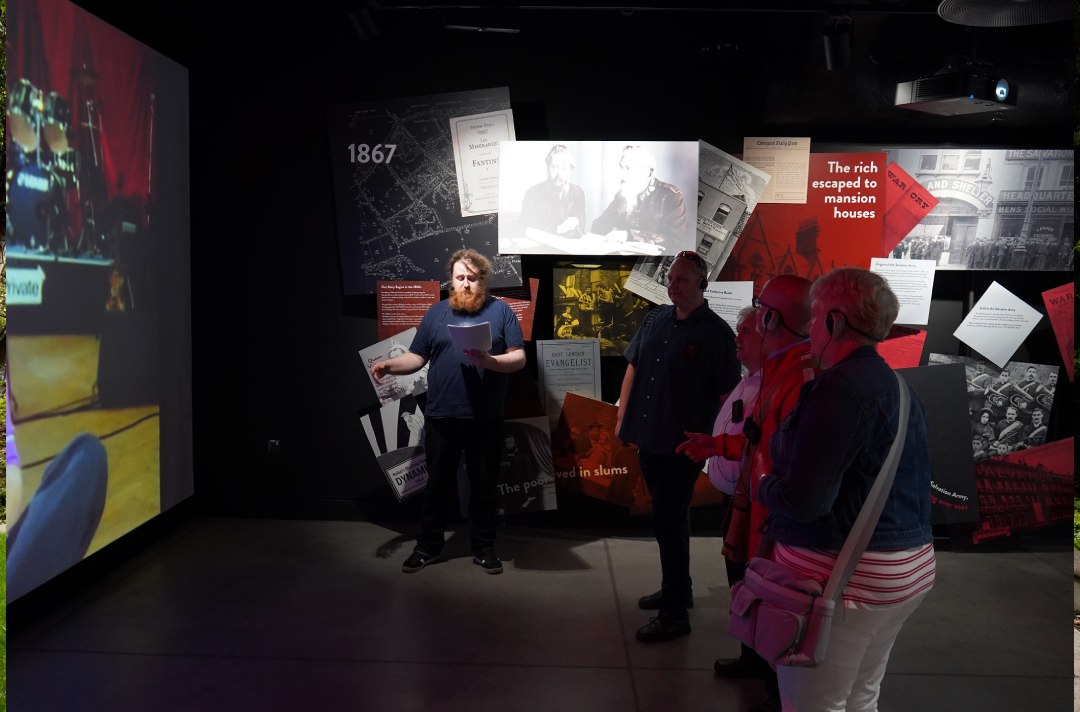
(378, 370)
(697, 447)
(480, 359)
(617, 236)
(567, 225)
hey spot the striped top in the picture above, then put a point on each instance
(881, 578)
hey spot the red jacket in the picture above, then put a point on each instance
(782, 379)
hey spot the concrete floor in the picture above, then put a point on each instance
(251, 614)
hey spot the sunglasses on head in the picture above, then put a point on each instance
(693, 257)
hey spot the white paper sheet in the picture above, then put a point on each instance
(787, 160)
(476, 158)
(727, 299)
(471, 336)
(912, 281)
(998, 324)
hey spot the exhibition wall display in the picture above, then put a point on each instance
(905, 213)
(396, 169)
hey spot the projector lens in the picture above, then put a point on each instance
(1001, 90)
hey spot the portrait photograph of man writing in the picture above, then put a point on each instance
(549, 193)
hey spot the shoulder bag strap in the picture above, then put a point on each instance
(865, 523)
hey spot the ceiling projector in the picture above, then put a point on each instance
(957, 93)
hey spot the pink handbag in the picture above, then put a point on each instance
(781, 614)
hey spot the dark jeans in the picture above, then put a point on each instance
(61, 518)
(445, 439)
(670, 479)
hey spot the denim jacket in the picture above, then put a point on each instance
(829, 450)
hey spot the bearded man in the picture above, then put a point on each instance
(466, 395)
(645, 209)
(556, 206)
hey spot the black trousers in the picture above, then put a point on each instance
(670, 479)
(445, 440)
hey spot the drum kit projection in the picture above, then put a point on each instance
(49, 176)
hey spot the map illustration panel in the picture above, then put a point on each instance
(396, 192)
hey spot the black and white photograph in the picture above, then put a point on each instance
(728, 174)
(1009, 407)
(998, 210)
(597, 197)
(728, 191)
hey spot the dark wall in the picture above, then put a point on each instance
(275, 342)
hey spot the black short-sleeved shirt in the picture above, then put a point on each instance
(682, 367)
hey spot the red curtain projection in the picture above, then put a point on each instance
(106, 79)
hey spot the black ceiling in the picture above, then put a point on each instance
(764, 59)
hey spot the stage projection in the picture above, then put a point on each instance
(99, 326)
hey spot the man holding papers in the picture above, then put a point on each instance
(466, 394)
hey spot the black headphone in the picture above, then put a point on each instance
(767, 320)
(830, 322)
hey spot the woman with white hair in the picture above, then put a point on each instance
(826, 456)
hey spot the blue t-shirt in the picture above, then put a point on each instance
(457, 388)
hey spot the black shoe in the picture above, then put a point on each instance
(736, 668)
(489, 562)
(652, 602)
(772, 704)
(663, 628)
(416, 561)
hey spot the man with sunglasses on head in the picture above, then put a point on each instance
(682, 363)
(783, 315)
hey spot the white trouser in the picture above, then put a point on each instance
(850, 678)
